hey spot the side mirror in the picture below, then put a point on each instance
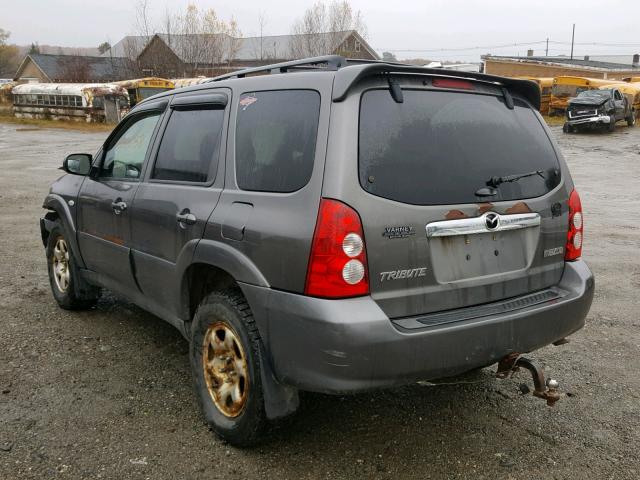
(132, 172)
(77, 164)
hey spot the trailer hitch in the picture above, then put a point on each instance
(547, 390)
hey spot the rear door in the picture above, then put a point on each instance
(106, 196)
(438, 237)
(181, 188)
(620, 104)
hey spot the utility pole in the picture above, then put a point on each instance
(546, 52)
(573, 36)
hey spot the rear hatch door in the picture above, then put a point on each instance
(438, 236)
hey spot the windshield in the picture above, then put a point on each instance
(149, 92)
(441, 147)
(568, 90)
(599, 94)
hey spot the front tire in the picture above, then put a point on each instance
(68, 288)
(566, 128)
(225, 363)
(631, 119)
(611, 127)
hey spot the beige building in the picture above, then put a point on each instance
(532, 66)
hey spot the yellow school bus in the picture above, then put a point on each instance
(566, 87)
(545, 84)
(141, 88)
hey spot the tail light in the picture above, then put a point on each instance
(338, 261)
(573, 249)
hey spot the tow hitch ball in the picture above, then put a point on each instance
(548, 390)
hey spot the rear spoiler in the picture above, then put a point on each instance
(347, 77)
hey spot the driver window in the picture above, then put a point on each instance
(124, 157)
(617, 95)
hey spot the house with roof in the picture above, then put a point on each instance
(41, 67)
(175, 56)
(613, 67)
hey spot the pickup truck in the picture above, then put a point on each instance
(598, 109)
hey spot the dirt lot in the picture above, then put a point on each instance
(107, 393)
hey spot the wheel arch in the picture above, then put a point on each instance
(205, 275)
(58, 211)
(214, 265)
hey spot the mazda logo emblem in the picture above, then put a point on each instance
(492, 221)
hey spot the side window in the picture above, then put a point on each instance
(617, 95)
(125, 155)
(276, 135)
(190, 146)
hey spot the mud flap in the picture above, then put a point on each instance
(279, 400)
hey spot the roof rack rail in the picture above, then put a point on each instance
(333, 62)
(359, 68)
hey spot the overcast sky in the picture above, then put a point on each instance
(424, 26)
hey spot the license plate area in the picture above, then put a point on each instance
(462, 257)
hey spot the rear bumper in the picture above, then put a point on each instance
(342, 346)
(599, 119)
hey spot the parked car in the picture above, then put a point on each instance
(565, 88)
(598, 109)
(333, 227)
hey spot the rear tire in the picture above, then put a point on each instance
(68, 288)
(225, 363)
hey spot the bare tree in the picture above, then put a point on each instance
(205, 43)
(321, 30)
(144, 22)
(8, 55)
(258, 49)
(194, 42)
(234, 40)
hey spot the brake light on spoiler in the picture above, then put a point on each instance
(453, 83)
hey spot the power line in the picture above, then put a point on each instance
(508, 45)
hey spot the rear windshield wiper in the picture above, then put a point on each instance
(495, 181)
(492, 184)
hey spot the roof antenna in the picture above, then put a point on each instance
(395, 90)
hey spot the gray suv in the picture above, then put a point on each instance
(329, 225)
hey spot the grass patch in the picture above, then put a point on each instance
(34, 124)
(554, 121)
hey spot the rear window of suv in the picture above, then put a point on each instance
(276, 138)
(440, 147)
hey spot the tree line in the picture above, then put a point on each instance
(202, 40)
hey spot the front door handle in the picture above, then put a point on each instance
(186, 218)
(118, 206)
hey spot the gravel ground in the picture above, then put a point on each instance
(107, 393)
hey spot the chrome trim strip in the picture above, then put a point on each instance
(474, 225)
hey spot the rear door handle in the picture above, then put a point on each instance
(118, 206)
(186, 218)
